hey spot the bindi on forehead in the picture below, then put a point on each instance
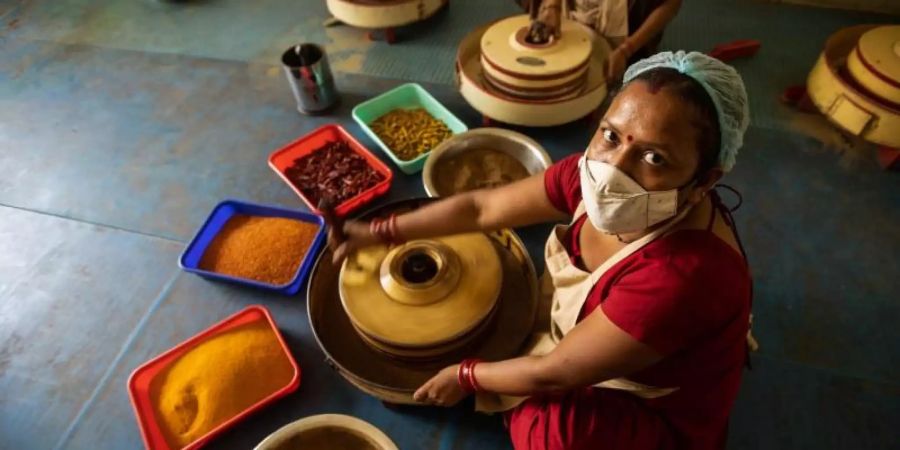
(629, 138)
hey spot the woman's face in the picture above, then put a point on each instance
(649, 136)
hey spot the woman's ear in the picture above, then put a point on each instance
(704, 184)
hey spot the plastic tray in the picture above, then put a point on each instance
(190, 259)
(282, 159)
(139, 382)
(406, 96)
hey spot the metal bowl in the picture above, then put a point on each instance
(521, 147)
(332, 427)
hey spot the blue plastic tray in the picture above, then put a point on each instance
(190, 259)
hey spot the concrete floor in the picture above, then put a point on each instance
(122, 123)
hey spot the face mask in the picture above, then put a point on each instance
(616, 204)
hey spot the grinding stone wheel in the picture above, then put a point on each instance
(875, 63)
(377, 14)
(554, 70)
(394, 380)
(393, 303)
(498, 105)
(842, 99)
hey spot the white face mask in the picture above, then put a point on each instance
(616, 204)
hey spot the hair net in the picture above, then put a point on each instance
(721, 82)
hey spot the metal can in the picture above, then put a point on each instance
(308, 73)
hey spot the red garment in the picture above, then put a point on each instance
(686, 295)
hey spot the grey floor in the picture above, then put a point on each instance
(122, 123)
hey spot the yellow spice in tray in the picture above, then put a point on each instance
(218, 379)
(410, 132)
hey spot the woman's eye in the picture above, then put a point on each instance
(653, 158)
(609, 136)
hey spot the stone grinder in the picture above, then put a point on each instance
(391, 317)
(856, 84)
(507, 76)
(384, 15)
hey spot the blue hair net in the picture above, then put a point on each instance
(721, 82)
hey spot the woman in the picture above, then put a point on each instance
(633, 28)
(651, 293)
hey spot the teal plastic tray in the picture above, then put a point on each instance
(406, 96)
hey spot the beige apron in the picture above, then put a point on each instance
(566, 287)
(607, 18)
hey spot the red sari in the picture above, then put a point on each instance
(687, 296)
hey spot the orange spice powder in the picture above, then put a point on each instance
(267, 249)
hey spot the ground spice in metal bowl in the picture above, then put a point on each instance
(477, 169)
(333, 171)
(327, 438)
(267, 249)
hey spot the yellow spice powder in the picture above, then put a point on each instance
(218, 379)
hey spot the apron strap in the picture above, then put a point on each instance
(718, 205)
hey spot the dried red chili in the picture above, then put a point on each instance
(333, 171)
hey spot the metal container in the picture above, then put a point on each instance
(332, 423)
(309, 75)
(521, 147)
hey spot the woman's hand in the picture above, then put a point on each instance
(442, 390)
(616, 63)
(547, 22)
(356, 235)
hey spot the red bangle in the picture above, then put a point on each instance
(465, 376)
(462, 380)
(393, 230)
(378, 228)
(472, 380)
(374, 226)
(385, 229)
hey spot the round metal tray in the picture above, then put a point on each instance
(394, 380)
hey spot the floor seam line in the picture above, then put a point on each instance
(96, 224)
(104, 380)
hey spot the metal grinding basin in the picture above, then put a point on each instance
(390, 318)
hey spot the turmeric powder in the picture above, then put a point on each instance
(267, 249)
(218, 379)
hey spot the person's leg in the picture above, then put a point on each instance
(587, 419)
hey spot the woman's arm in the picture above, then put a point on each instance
(594, 351)
(653, 25)
(521, 203)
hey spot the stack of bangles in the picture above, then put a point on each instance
(386, 229)
(465, 376)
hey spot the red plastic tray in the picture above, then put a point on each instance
(139, 382)
(283, 158)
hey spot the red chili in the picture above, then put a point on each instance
(333, 171)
